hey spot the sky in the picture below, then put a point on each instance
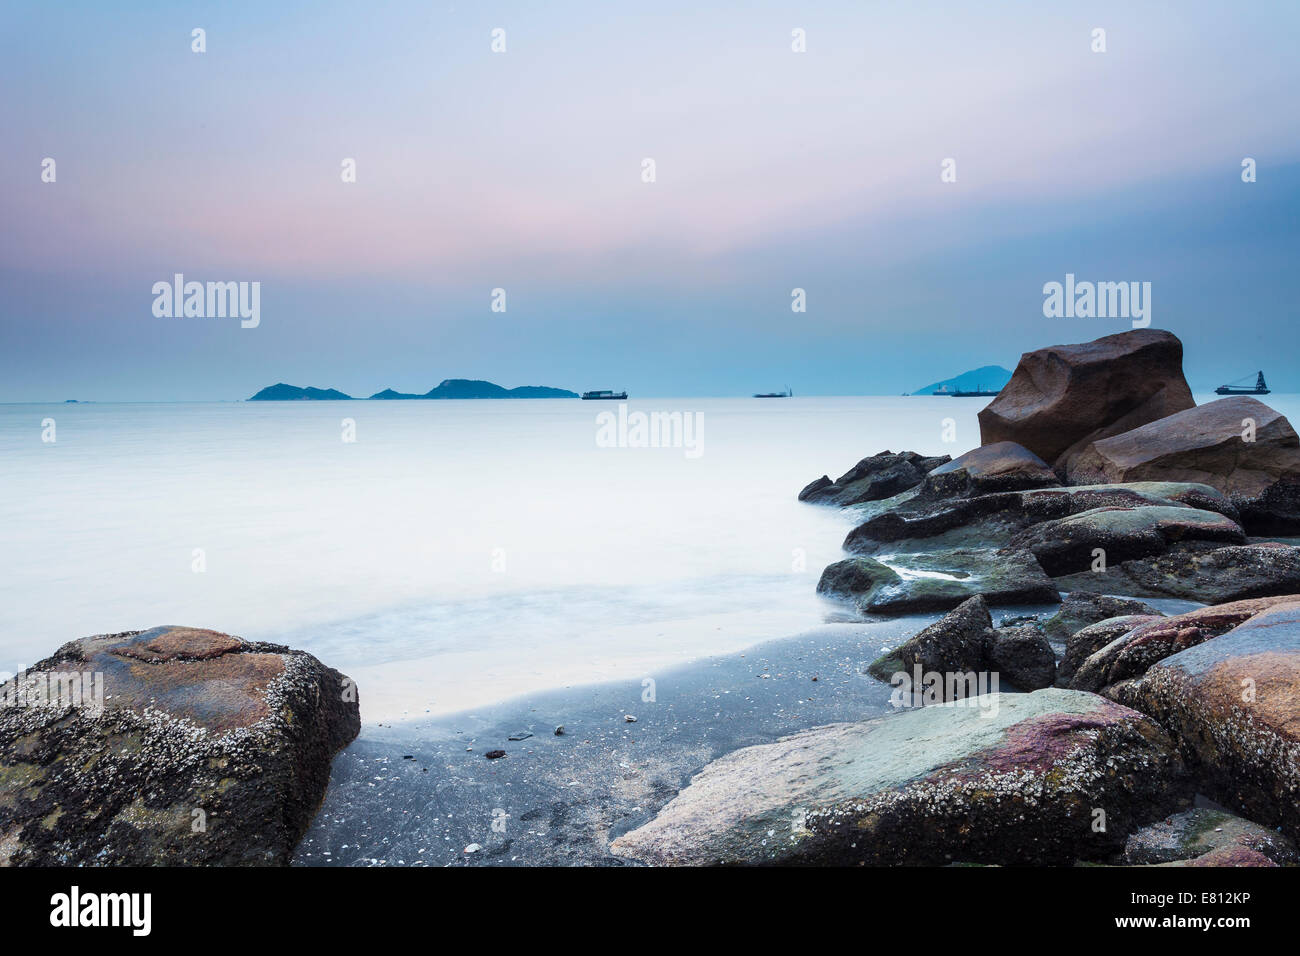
(522, 170)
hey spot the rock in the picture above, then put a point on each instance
(1067, 545)
(520, 735)
(1069, 395)
(925, 523)
(1131, 653)
(495, 754)
(956, 642)
(1001, 466)
(1234, 704)
(1003, 778)
(1087, 641)
(1022, 657)
(1227, 856)
(1199, 573)
(559, 731)
(938, 581)
(1195, 833)
(875, 478)
(817, 489)
(208, 750)
(1206, 444)
(1080, 609)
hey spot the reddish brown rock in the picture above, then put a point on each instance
(1208, 444)
(1130, 654)
(1069, 395)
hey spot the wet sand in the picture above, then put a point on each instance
(560, 800)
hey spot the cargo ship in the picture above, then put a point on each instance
(1232, 388)
(603, 395)
(786, 394)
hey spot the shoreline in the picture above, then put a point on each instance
(566, 797)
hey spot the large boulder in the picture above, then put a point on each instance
(1001, 778)
(1195, 834)
(1199, 573)
(1131, 653)
(1069, 395)
(172, 746)
(1234, 704)
(1258, 466)
(1001, 466)
(938, 581)
(1069, 545)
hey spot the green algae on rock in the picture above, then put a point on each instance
(1004, 778)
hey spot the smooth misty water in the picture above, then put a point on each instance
(457, 553)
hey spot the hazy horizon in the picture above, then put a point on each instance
(522, 171)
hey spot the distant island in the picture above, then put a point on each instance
(447, 388)
(991, 378)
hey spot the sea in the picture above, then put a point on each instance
(445, 554)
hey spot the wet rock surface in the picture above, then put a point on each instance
(937, 581)
(1011, 781)
(207, 749)
(1203, 572)
(1209, 836)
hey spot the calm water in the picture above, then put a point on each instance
(456, 553)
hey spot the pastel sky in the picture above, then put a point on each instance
(522, 170)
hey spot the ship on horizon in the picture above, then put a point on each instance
(968, 393)
(1232, 388)
(786, 394)
(603, 395)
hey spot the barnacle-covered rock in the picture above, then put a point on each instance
(1234, 704)
(1049, 777)
(1129, 654)
(174, 745)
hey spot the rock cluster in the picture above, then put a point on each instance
(1098, 476)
